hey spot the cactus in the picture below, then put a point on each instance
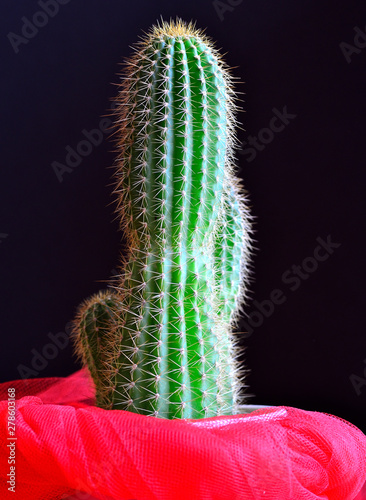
(160, 341)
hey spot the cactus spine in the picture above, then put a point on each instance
(160, 341)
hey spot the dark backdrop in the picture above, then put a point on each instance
(302, 62)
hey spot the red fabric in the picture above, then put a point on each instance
(66, 446)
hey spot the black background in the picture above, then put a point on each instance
(58, 240)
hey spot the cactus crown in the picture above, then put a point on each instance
(159, 341)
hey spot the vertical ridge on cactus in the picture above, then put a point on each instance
(160, 342)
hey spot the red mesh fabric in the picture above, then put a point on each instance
(66, 446)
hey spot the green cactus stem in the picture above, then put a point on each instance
(160, 342)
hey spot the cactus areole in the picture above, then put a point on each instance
(160, 341)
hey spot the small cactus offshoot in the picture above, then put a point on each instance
(160, 340)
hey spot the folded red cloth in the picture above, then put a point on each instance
(66, 446)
